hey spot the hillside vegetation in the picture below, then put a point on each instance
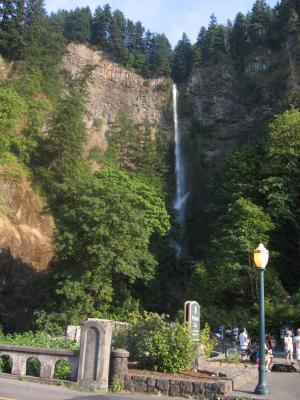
(113, 228)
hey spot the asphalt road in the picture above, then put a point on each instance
(11, 389)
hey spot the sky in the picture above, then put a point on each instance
(172, 17)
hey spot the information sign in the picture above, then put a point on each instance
(192, 317)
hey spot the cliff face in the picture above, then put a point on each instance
(113, 87)
(223, 107)
(25, 230)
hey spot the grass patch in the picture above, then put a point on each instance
(11, 168)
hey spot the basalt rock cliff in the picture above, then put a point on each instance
(113, 87)
(26, 231)
(224, 107)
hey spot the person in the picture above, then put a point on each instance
(268, 341)
(288, 347)
(244, 342)
(297, 346)
(268, 358)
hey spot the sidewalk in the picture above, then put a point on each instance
(283, 385)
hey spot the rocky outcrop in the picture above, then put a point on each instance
(224, 107)
(113, 87)
(25, 229)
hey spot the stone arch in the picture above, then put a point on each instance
(33, 366)
(95, 343)
(63, 370)
(6, 363)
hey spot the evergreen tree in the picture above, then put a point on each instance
(44, 46)
(78, 25)
(198, 47)
(116, 40)
(259, 22)
(160, 55)
(182, 60)
(62, 151)
(238, 40)
(122, 141)
(139, 41)
(212, 42)
(102, 26)
(11, 28)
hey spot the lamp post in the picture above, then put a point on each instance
(261, 256)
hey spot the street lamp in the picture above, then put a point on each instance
(261, 256)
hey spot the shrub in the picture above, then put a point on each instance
(158, 344)
(116, 386)
(5, 364)
(37, 339)
(98, 123)
(63, 370)
(206, 340)
(33, 367)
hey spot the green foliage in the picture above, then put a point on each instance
(256, 200)
(98, 123)
(11, 106)
(211, 43)
(77, 25)
(206, 340)
(11, 27)
(182, 60)
(61, 153)
(158, 344)
(5, 364)
(160, 56)
(137, 147)
(37, 339)
(63, 370)
(12, 168)
(33, 367)
(104, 225)
(116, 386)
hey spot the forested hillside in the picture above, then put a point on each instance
(86, 163)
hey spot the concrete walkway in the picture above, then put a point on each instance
(283, 385)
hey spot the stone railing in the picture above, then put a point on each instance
(90, 365)
(48, 358)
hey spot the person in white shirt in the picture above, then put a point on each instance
(288, 347)
(297, 346)
(244, 341)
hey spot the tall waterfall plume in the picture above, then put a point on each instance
(181, 193)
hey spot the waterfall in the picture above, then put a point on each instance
(181, 193)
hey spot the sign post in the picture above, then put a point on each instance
(192, 317)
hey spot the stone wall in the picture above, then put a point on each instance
(177, 388)
(48, 358)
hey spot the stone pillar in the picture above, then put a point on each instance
(118, 366)
(94, 357)
(19, 364)
(47, 368)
